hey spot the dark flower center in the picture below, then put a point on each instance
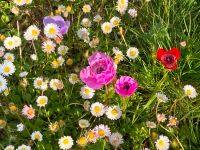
(126, 87)
(99, 70)
(168, 59)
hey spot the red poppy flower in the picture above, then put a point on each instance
(168, 58)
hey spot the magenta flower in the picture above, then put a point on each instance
(59, 21)
(100, 71)
(125, 86)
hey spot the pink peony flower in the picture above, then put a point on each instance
(28, 111)
(100, 71)
(125, 86)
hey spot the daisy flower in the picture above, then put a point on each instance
(9, 43)
(7, 91)
(97, 18)
(161, 97)
(28, 2)
(53, 84)
(9, 147)
(82, 141)
(2, 123)
(38, 83)
(122, 6)
(83, 123)
(48, 46)
(91, 136)
(24, 147)
(17, 41)
(3, 84)
(115, 21)
(106, 27)
(73, 78)
(28, 111)
(42, 101)
(172, 121)
(118, 54)
(51, 30)
(86, 92)
(19, 2)
(150, 124)
(86, 22)
(2, 49)
(132, 12)
(32, 33)
(161, 117)
(69, 61)
(132, 53)
(62, 50)
(86, 105)
(20, 127)
(97, 109)
(83, 33)
(86, 8)
(9, 57)
(61, 8)
(36, 135)
(190, 91)
(7, 68)
(102, 131)
(65, 142)
(54, 127)
(94, 42)
(60, 60)
(113, 113)
(23, 74)
(116, 139)
(34, 57)
(13, 108)
(162, 143)
(60, 85)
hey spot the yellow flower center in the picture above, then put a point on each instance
(115, 22)
(122, 1)
(63, 51)
(107, 28)
(34, 33)
(69, 61)
(68, 8)
(19, 1)
(173, 121)
(30, 111)
(132, 53)
(189, 92)
(65, 141)
(114, 112)
(49, 47)
(7, 69)
(90, 135)
(42, 101)
(37, 137)
(87, 91)
(23, 148)
(97, 109)
(39, 82)
(74, 78)
(119, 56)
(9, 149)
(82, 141)
(9, 58)
(13, 108)
(161, 143)
(1, 83)
(52, 31)
(101, 132)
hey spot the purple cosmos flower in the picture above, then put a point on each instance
(125, 86)
(59, 21)
(100, 71)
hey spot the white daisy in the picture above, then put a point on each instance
(51, 30)
(106, 27)
(162, 143)
(9, 43)
(161, 97)
(65, 142)
(92, 136)
(20, 127)
(115, 21)
(62, 50)
(86, 8)
(132, 52)
(34, 57)
(9, 147)
(94, 42)
(2, 49)
(24, 147)
(97, 18)
(97, 109)
(150, 124)
(60, 60)
(86, 22)
(114, 112)
(17, 41)
(116, 139)
(82, 141)
(132, 12)
(172, 121)
(32, 33)
(9, 57)
(3, 84)
(36, 135)
(161, 117)
(83, 33)
(190, 91)
(118, 54)
(23, 74)
(86, 92)
(42, 101)
(122, 6)
(7, 68)
(73, 78)
(61, 8)
(19, 2)
(83, 123)
(86, 105)
(48, 46)
(54, 84)
(38, 83)
(102, 131)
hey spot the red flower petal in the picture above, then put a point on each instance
(160, 52)
(175, 52)
(171, 67)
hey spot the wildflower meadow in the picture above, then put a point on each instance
(99, 74)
